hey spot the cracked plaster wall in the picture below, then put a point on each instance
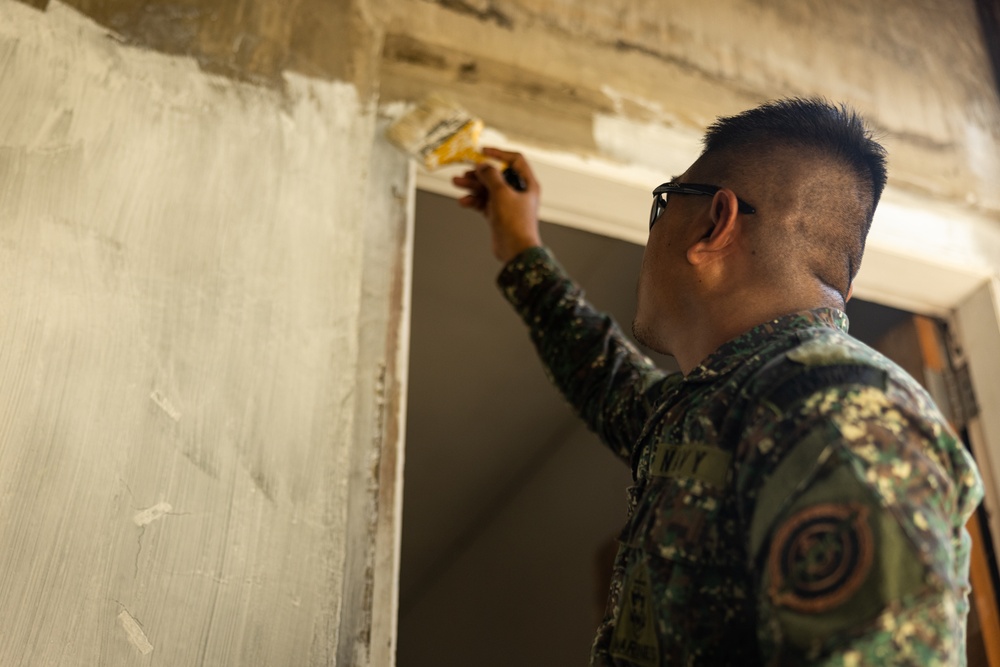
(584, 76)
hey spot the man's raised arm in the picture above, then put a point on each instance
(612, 386)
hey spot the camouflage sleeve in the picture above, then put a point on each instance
(855, 507)
(610, 384)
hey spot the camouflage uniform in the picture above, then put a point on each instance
(798, 498)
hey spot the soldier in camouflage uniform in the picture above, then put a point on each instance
(798, 498)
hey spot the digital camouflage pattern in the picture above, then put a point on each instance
(798, 498)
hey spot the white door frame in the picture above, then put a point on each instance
(922, 255)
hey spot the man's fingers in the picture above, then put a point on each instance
(469, 201)
(468, 182)
(466, 179)
(515, 160)
(477, 193)
(503, 156)
(489, 176)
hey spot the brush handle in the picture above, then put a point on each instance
(514, 179)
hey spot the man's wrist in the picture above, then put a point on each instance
(516, 250)
(524, 259)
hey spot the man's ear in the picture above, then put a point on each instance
(719, 235)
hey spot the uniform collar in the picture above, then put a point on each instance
(739, 349)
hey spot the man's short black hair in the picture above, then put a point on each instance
(835, 132)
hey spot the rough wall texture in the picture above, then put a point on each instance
(553, 71)
(251, 39)
(179, 356)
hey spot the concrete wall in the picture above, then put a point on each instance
(204, 249)
(192, 427)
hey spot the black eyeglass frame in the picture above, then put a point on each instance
(662, 192)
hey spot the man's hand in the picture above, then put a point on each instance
(513, 215)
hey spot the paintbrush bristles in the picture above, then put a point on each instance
(438, 132)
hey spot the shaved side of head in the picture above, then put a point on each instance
(815, 174)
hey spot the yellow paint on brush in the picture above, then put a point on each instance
(462, 146)
(438, 131)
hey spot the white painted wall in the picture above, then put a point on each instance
(180, 261)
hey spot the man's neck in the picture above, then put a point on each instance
(711, 328)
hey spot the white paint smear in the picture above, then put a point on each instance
(166, 405)
(670, 150)
(151, 514)
(135, 633)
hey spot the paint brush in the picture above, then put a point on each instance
(439, 132)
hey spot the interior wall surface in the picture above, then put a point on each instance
(184, 467)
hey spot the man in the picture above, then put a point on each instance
(798, 498)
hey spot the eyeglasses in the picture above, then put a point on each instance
(661, 193)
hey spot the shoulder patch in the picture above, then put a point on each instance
(835, 560)
(820, 557)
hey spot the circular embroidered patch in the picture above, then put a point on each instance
(820, 557)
